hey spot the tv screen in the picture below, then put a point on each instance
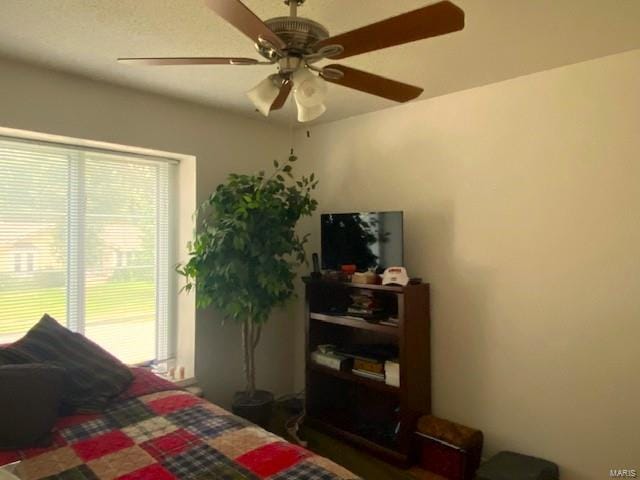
(371, 240)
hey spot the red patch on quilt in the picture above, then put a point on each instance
(8, 457)
(151, 472)
(163, 406)
(102, 445)
(145, 382)
(170, 444)
(272, 458)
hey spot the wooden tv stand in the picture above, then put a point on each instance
(355, 408)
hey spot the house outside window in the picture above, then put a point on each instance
(84, 236)
(23, 262)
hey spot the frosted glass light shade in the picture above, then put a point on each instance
(306, 114)
(263, 95)
(309, 90)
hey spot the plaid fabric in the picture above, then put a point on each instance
(128, 412)
(305, 471)
(189, 416)
(201, 458)
(212, 427)
(94, 376)
(168, 434)
(81, 472)
(88, 429)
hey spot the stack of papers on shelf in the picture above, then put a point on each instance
(371, 375)
(329, 360)
(391, 321)
(392, 372)
(364, 304)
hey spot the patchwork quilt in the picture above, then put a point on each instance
(154, 432)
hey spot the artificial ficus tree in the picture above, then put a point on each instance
(246, 250)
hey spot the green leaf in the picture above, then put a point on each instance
(245, 252)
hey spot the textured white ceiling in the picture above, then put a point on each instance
(503, 39)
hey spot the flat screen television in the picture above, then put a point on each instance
(370, 240)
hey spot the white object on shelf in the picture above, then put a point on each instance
(392, 373)
(393, 381)
(332, 360)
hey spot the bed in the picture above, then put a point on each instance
(153, 431)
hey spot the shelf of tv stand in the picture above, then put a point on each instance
(364, 286)
(346, 405)
(332, 427)
(352, 377)
(355, 323)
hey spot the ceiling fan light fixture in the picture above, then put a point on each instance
(306, 114)
(309, 90)
(263, 95)
(296, 43)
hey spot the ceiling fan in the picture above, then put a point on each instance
(295, 44)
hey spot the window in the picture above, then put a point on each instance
(84, 236)
(23, 261)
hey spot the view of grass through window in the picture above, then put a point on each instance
(79, 240)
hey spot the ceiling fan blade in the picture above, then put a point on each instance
(374, 84)
(238, 15)
(190, 61)
(430, 21)
(281, 99)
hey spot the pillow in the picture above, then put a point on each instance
(11, 357)
(30, 396)
(93, 377)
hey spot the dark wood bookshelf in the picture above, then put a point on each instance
(369, 413)
(390, 454)
(366, 286)
(352, 377)
(355, 323)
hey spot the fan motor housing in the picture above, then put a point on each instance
(300, 34)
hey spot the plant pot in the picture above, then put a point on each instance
(256, 409)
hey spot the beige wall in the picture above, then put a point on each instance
(40, 100)
(521, 208)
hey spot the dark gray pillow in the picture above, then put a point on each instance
(93, 376)
(30, 396)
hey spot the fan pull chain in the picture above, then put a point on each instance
(291, 124)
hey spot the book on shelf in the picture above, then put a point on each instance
(365, 305)
(368, 365)
(373, 376)
(392, 372)
(391, 322)
(371, 352)
(329, 360)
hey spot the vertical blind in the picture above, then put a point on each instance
(84, 236)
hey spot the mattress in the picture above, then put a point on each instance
(154, 432)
